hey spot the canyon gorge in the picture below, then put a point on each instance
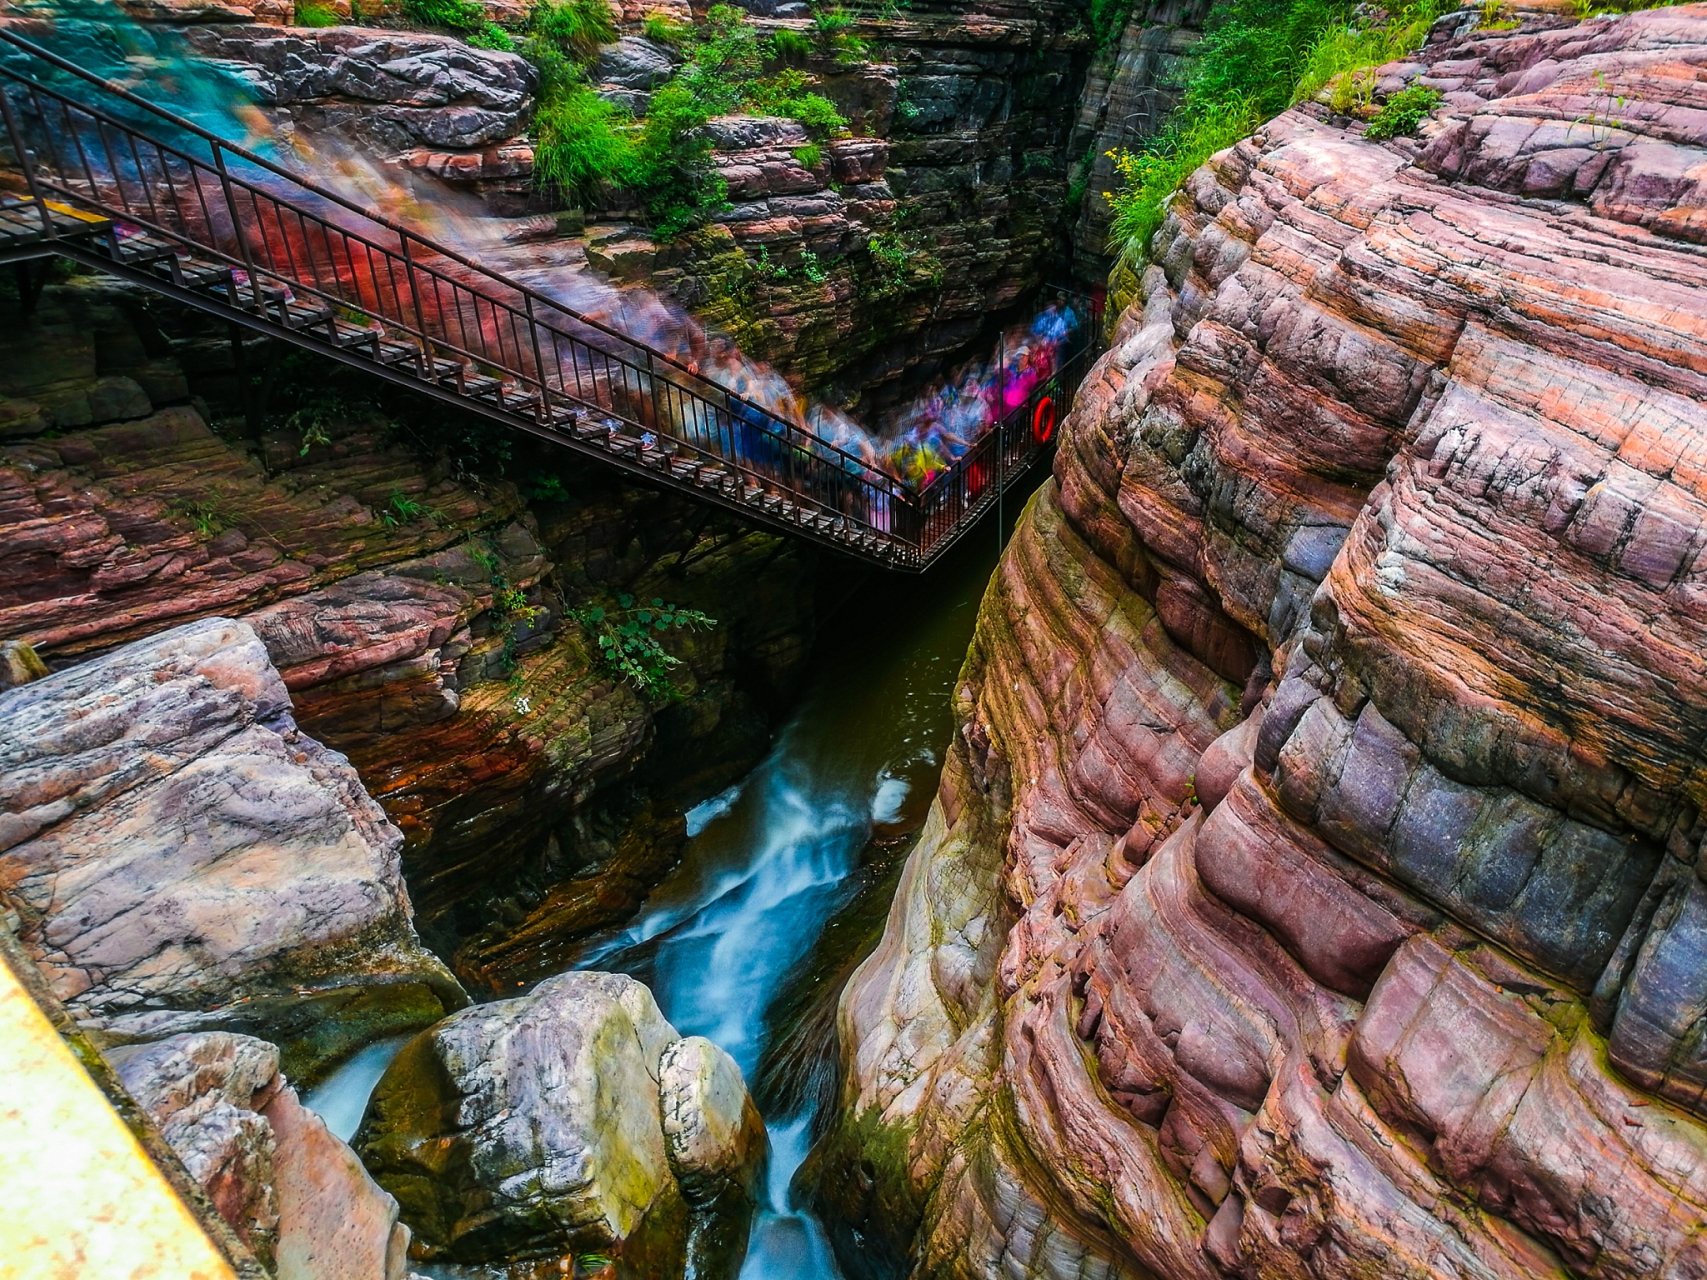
(1264, 841)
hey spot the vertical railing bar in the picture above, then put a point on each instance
(15, 131)
(237, 226)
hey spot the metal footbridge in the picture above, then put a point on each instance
(104, 177)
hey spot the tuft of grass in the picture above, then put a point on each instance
(578, 27)
(400, 509)
(810, 156)
(791, 46)
(661, 28)
(207, 517)
(1403, 112)
(453, 15)
(310, 14)
(581, 142)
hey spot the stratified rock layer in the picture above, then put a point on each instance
(1314, 887)
(182, 857)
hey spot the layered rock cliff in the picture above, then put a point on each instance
(1314, 887)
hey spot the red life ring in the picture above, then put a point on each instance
(1043, 420)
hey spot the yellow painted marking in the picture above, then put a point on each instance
(79, 1198)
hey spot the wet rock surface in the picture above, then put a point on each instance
(568, 1122)
(1312, 886)
(181, 856)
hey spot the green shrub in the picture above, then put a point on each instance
(1108, 20)
(578, 27)
(1403, 112)
(310, 14)
(492, 36)
(583, 142)
(628, 641)
(810, 156)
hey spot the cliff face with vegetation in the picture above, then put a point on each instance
(418, 611)
(1314, 888)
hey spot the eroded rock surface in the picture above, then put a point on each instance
(182, 857)
(568, 1122)
(1314, 885)
(295, 1194)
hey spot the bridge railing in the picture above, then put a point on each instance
(281, 231)
(951, 501)
(290, 241)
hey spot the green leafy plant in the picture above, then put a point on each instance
(311, 14)
(1403, 112)
(547, 488)
(831, 25)
(492, 36)
(810, 156)
(812, 268)
(628, 639)
(1108, 20)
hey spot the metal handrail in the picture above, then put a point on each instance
(484, 322)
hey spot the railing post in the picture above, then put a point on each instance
(237, 224)
(544, 411)
(17, 135)
(415, 300)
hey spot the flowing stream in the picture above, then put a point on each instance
(774, 858)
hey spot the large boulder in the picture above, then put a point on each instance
(569, 1122)
(294, 1193)
(388, 89)
(181, 857)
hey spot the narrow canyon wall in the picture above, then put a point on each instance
(1133, 84)
(1315, 884)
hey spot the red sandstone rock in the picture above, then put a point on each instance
(1313, 888)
